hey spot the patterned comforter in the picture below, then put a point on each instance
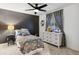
(29, 43)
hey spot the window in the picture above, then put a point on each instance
(52, 20)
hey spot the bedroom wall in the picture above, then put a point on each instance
(19, 20)
(42, 28)
(32, 23)
(71, 28)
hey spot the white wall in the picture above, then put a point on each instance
(3, 34)
(42, 28)
(71, 26)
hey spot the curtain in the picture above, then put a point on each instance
(50, 21)
(59, 22)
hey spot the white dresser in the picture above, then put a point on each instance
(52, 37)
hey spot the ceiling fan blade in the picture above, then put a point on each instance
(29, 9)
(42, 10)
(43, 6)
(31, 5)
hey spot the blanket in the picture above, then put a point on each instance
(29, 43)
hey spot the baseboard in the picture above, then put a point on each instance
(77, 50)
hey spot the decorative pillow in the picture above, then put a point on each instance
(25, 32)
(22, 32)
(18, 32)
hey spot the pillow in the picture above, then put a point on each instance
(18, 32)
(25, 32)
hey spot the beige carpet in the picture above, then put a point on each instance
(61, 51)
(49, 49)
(9, 50)
(13, 50)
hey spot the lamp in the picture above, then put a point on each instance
(10, 27)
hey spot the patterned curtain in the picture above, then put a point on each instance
(50, 21)
(59, 22)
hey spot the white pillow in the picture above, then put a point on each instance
(25, 32)
(18, 32)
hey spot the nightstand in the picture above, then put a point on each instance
(11, 39)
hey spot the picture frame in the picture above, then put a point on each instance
(42, 22)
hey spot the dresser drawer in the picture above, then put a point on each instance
(55, 43)
(56, 39)
(52, 41)
(53, 38)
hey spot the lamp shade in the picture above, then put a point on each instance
(10, 27)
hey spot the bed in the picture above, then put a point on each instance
(27, 43)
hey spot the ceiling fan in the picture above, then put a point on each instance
(37, 8)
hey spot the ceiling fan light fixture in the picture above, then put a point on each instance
(36, 10)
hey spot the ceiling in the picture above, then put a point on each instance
(21, 7)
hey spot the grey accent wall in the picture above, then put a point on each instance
(19, 20)
(32, 24)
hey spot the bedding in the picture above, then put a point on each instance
(29, 43)
(22, 32)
